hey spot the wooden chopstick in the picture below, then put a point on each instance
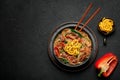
(92, 16)
(85, 13)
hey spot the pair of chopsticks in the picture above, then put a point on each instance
(90, 18)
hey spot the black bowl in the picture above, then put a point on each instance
(105, 33)
(72, 68)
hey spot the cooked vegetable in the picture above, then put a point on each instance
(56, 50)
(106, 25)
(76, 32)
(106, 64)
(64, 60)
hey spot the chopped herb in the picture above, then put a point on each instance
(61, 51)
(76, 32)
(65, 41)
(65, 61)
(81, 46)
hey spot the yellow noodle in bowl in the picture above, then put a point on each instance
(73, 47)
(106, 25)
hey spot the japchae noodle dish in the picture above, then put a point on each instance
(72, 47)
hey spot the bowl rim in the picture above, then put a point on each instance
(75, 68)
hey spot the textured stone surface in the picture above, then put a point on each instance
(25, 28)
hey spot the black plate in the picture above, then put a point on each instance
(72, 68)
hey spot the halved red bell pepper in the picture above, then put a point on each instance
(106, 64)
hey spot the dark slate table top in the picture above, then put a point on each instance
(25, 27)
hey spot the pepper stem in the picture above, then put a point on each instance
(99, 75)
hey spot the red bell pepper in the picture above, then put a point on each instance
(56, 48)
(56, 51)
(106, 64)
